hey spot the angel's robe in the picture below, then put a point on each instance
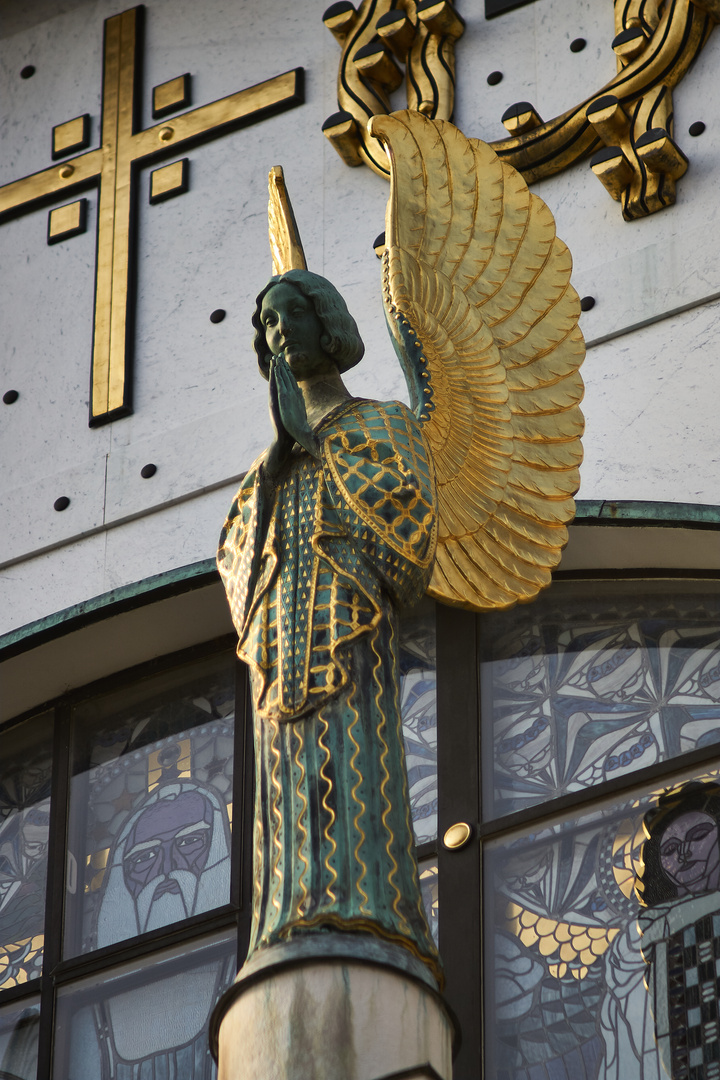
(314, 577)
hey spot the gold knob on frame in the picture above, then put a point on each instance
(457, 835)
(165, 134)
(66, 171)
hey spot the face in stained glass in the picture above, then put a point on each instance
(171, 860)
(581, 917)
(689, 853)
(681, 853)
(24, 836)
(151, 805)
(170, 835)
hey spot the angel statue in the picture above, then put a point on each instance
(359, 507)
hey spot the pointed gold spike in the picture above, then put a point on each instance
(285, 243)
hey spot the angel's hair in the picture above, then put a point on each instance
(340, 338)
(653, 886)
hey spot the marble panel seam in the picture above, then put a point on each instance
(111, 523)
(658, 317)
(589, 512)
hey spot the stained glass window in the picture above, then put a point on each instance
(572, 981)
(589, 974)
(19, 1030)
(429, 888)
(146, 1020)
(147, 763)
(24, 823)
(151, 805)
(582, 969)
(418, 694)
(576, 691)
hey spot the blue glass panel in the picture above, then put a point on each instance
(592, 682)
(418, 697)
(429, 888)
(19, 1029)
(147, 1020)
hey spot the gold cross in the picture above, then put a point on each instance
(112, 166)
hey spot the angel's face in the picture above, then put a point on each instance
(293, 329)
(689, 853)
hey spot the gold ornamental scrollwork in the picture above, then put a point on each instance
(626, 125)
(376, 39)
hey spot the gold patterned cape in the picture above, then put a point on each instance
(361, 523)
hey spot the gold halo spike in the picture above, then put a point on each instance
(285, 243)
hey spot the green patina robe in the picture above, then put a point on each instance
(314, 582)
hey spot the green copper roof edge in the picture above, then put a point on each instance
(194, 575)
(667, 515)
(167, 583)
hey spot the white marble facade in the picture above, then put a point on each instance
(200, 413)
(333, 1020)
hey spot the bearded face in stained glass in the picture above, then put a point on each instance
(152, 806)
(168, 836)
(171, 861)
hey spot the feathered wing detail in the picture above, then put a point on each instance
(477, 294)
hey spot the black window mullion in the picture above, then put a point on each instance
(79, 792)
(55, 888)
(458, 800)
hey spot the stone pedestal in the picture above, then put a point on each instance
(330, 1007)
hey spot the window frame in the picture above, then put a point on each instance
(460, 885)
(460, 871)
(59, 972)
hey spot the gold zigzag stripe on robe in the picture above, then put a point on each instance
(477, 292)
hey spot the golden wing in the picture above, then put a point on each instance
(569, 947)
(477, 295)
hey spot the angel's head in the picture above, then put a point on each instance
(339, 335)
(681, 855)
